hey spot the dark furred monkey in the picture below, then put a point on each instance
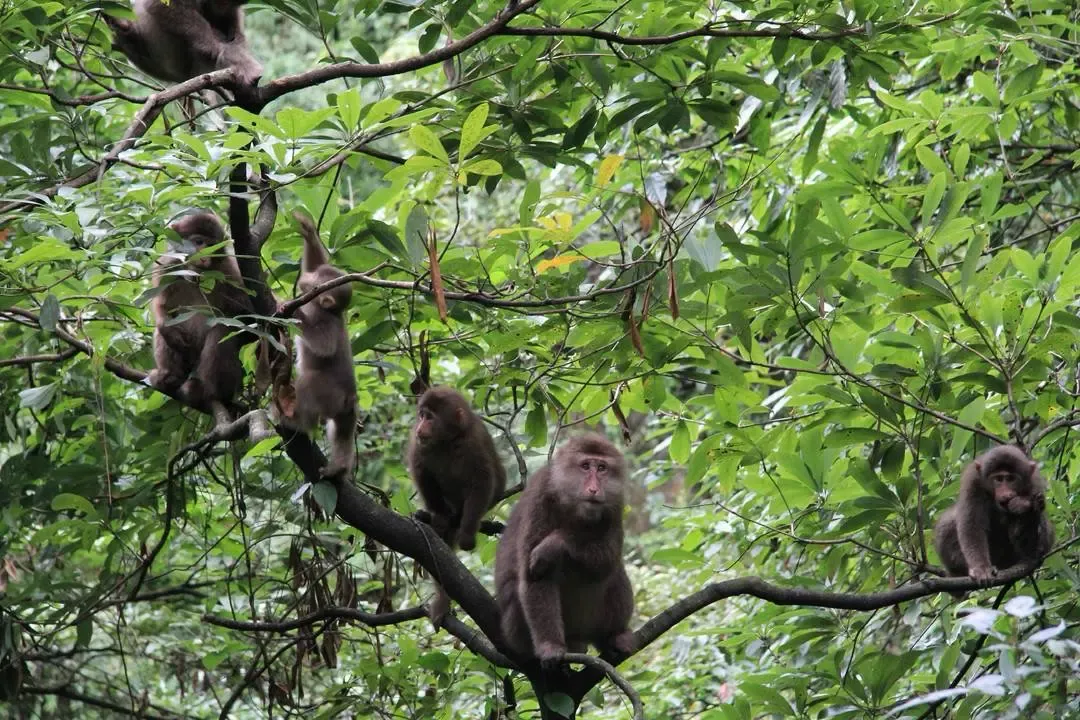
(454, 465)
(999, 518)
(559, 575)
(325, 384)
(185, 38)
(192, 358)
(455, 468)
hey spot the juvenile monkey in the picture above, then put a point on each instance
(184, 38)
(999, 518)
(193, 358)
(454, 466)
(325, 384)
(559, 575)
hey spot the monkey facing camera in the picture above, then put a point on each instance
(194, 358)
(177, 41)
(560, 580)
(999, 518)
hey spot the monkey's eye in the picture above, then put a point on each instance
(585, 464)
(601, 467)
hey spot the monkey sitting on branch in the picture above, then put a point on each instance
(197, 359)
(999, 518)
(325, 387)
(185, 38)
(559, 575)
(456, 470)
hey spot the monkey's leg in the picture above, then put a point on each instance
(218, 377)
(543, 614)
(341, 431)
(439, 607)
(471, 514)
(171, 365)
(619, 606)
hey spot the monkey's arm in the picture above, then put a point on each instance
(542, 607)
(547, 556)
(972, 523)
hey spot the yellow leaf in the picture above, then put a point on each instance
(557, 261)
(607, 169)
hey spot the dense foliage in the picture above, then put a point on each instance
(804, 259)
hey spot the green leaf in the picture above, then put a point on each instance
(37, 398)
(50, 313)
(473, 130)
(879, 240)
(424, 139)
(70, 501)
(483, 167)
(853, 436)
(930, 160)
(935, 190)
(299, 123)
(326, 495)
(985, 86)
(680, 444)
(560, 704)
(416, 234)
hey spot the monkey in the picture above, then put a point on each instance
(325, 384)
(195, 359)
(455, 468)
(177, 41)
(559, 575)
(999, 518)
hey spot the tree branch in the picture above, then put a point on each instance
(606, 668)
(284, 85)
(332, 613)
(756, 587)
(782, 30)
(404, 535)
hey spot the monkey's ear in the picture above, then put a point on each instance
(978, 467)
(459, 417)
(1032, 467)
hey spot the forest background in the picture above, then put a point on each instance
(801, 260)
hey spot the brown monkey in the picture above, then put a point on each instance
(196, 359)
(559, 574)
(999, 519)
(454, 466)
(184, 38)
(325, 383)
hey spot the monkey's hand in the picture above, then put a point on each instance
(550, 654)
(545, 558)
(466, 540)
(983, 574)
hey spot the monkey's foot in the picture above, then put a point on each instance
(983, 575)
(550, 654)
(624, 642)
(335, 471)
(439, 608)
(165, 381)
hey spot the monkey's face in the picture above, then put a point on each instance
(592, 483)
(434, 425)
(1012, 490)
(197, 232)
